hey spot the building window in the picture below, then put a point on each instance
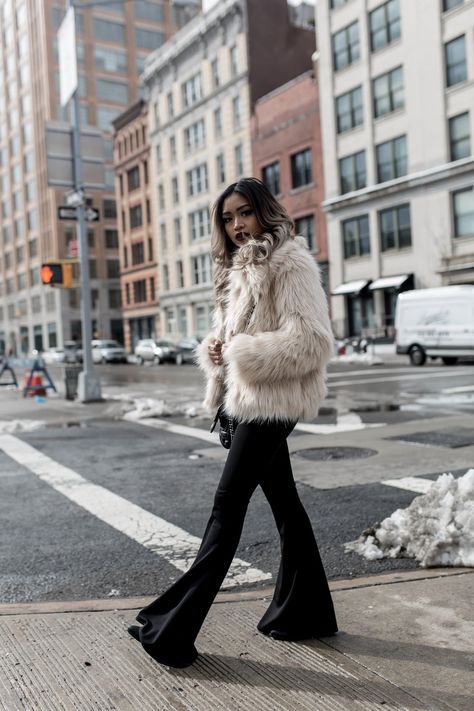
(455, 57)
(161, 197)
(236, 111)
(111, 239)
(52, 335)
(218, 122)
(234, 61)
(392, 159)
(113, 268)
(191, 91)
(92, 268)
(304, 226)
(133, 179)
(127, 293)
(450, 4)
(215, 73)
(356, 237)
(145, 10)
(175, 190)
(349, 110)
(337, 3)
(170, 105)
(135, 216)
(195, 136)
(352, 172)
(138, 253)
(109, 31)
(115, 299)
(463, 212)
(201, 269)
(180, 274)
(110, 209)
(152, 289)
(346, 46)
(166, 277)
(395, 229)
(177, 232)
(384, 24)
(220, 168)
(163, 239)
(301, 171)
(388, 92)
(110, 60)
(199, 224)
(459, 136)
(172, 144)
(239, 160)
(159, 159)
(109, 90)
(196, 180)
(139, 291)
(148, 39)
(271, 177)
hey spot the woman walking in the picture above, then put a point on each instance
(265, 363)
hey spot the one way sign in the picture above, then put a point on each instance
(65, 212)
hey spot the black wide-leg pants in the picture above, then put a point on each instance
(301, 606)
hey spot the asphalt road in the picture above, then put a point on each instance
(54, 548)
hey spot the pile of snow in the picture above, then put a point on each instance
(142, 407)
(11, 426)
(365, 358)
(437, 528)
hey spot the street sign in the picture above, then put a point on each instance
(75, 198)
(92, 214)
(67, 57)
(59, 156)
(66, 213)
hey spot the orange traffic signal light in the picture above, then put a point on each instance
(56, 274)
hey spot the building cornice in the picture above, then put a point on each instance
(419, 179)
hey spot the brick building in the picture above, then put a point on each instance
(286, 148)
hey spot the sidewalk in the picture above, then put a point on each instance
(404, 644)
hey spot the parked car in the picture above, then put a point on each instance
(157, 352)
(436, 323)
(72, 352)
(107, 351)
(187, 348)
(53, 355)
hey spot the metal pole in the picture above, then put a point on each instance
(89, 383)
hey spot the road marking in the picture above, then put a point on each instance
(377, 370)
(176, 546)
(410, 483)
(211, 437)
(412, 376)
(462, 389)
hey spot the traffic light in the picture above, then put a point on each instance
(57, 274)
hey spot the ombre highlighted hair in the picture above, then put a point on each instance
(277, 227)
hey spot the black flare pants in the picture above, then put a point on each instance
(301, 606)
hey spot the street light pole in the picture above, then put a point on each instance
(89, 389)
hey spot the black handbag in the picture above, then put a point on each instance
(227, 427)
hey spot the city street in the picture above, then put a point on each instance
(94, 505)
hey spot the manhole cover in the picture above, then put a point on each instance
(451, 438)
(326, 453)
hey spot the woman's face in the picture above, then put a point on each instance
(239, 219)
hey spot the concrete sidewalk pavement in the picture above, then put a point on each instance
(405, 643)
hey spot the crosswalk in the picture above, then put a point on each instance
(174, 544)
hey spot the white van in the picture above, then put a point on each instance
(436, 323)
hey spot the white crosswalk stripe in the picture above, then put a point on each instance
(176, 546)
(410, 483)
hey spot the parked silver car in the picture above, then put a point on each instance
(157, 352)
(108, 351)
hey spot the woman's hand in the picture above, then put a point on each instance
(216, 349)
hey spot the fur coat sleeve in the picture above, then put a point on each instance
(301, 342)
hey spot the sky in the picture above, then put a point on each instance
(206, 4)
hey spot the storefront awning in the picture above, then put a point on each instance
(392, 282)
(350, 287)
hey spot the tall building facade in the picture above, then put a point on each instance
(203, 85)
(112, 44)
(286, 148)
(397, 114)
(138, 265)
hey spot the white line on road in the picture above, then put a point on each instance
(410, 376)
(177, 546)
(462, 389)
(410, 483)
(211, 437)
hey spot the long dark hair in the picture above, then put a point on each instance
(277, 227)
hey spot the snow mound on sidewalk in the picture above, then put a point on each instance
(437, 528)
(139, 408)
(11, 426)
(364, 358)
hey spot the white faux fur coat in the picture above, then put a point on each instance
(276, 370)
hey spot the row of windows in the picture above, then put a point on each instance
(388, 96)
(301, 172)
(133, 177)
(135, 254)
(395, 228)
(192, 89)
(384, 27)
(447, 4)
(132, 141)
(136, 291)
(22, 281)
(201, 272)
(392, 156)
(136, 215)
